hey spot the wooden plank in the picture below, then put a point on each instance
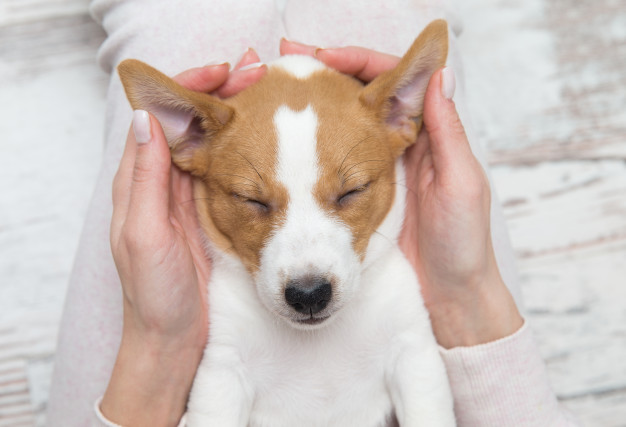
(15, 404)
(25, 11)
(548, 97)
(27, 346)
(20, 421)
(35, 39)
(552, 85)
(578, 316)
(14, 399)
(568, 228)
(602, 411)
(47, 53)
(554, 207)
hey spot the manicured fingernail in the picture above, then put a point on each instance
(299, 43)
(141, 126)
(252, 66)
(248, 50)
(216, 64)
(448, 83)
(242, 56)
(292, 42)
(331, 49)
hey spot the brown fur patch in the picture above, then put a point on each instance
(240, 162)
(353, 152)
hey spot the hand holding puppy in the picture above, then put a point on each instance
(162, 265)
(446, 236)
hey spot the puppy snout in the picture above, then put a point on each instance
(309, 294)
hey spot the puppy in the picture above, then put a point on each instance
(315, 316)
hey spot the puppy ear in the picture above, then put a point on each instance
(397, 96)
(189, 119)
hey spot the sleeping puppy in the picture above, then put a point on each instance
(316, 317)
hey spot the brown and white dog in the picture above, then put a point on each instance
(316, 317)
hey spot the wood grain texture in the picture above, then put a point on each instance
(51, 123)
(547, 84)
(36, 36)
(550, 97)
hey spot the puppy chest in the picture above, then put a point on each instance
(322, 394)
(320, 380)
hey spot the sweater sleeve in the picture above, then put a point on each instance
(99, 420)
(503, 383)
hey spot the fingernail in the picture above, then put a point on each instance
(325, 49)
(216, 64)
(252, 66)
(299, 43)
(141, 126)
(448, 83)
(292, 42)
(243, 55)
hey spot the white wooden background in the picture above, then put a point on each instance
(547, 81)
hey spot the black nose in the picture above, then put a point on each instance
(309, 294)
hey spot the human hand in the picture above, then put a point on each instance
(446, 234)
(162, 265)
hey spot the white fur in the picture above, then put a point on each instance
(309, 242)
(299, 66)
(377, 357)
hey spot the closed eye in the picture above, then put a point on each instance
(351, 194)
(253, 203)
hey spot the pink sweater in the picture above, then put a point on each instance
(503, 383)
(499, 384)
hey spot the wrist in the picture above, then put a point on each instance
(150, 382)
(476, 315)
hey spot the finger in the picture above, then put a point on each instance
(149, 196)
(448, 141)
(419, 165)
(249, 57)
(181, 192)
(425, 173)
(288, 47)
(414, 154)
(184, 207)
(240, 79)
(364, 64)
(122, 183)
(204, 79)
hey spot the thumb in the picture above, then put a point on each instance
(448, 141)
(149, 199)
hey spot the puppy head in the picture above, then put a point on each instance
(295, 173)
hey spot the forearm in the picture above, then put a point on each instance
(149, 384)
(476, 314)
